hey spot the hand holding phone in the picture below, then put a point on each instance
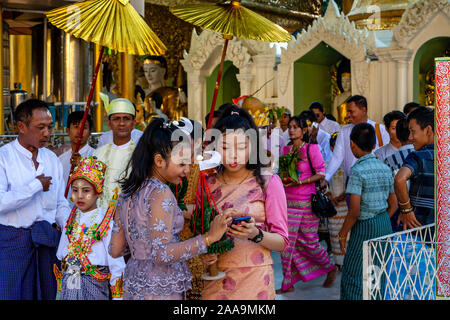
(238, 221)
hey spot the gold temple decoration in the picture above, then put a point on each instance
(377, 14)
(111, 23)
(176, 35)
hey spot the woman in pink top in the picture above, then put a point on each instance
(304, 259)
(241, 190)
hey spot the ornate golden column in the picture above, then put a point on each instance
(98, 121)
(127, 76)
(2, 115)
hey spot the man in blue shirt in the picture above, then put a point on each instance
(417, 205)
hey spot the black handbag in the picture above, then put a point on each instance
(321, 205)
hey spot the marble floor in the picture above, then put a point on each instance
(312, 290)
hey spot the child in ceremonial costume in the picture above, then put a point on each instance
(83, 248)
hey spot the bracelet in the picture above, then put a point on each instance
(403, 204)
(342, 237)
(206, 239)
(410, 209)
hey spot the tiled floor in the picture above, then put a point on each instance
(312, 290)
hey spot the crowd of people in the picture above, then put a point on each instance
(117, 234)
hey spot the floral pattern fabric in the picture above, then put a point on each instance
(151, 222)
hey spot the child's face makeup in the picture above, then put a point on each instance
(84, 195)
(235, 150)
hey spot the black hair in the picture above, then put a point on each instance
(157, 139)
(391, 116)
(360, 101)
(302, 123)
(363, 135)
(330, 117)
(317, 105)
(226, 106)
(308, 115)
(216, 114)
(138, 90)
(424, 117)
(161, 60)
(77, 116)
(402, 130)
(333, 138)
(410, 106)
(235, 118)
(24, 111)
(156, 96)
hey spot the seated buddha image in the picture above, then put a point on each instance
(155, 70)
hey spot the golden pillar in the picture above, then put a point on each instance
(2, 115)
(127, 76)
(20, 57)
(98, 124)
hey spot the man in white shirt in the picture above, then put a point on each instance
(116, 154)
(390, 122)
(356, 113)
(32, 204)
(73, 129)
(283, 130)
(325, 124)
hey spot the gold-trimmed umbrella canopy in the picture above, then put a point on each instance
(232, 19)
(111, 23)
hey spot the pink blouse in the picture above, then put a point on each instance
(303, 192)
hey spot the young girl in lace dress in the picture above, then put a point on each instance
(148, 220)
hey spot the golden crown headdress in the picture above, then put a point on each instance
(91, 170)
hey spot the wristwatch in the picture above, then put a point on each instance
(258, 237)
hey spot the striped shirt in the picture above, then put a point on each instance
(372, 180)
(396, 160)
(421, 192)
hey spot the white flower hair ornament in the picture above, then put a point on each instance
(213, 162)
(184, 125)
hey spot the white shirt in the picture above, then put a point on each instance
(99, 254)
(385, 151)
(107, 137)
(343, 153)
(22, 199)
(116, 159)
(329, 126)
(86, 151)
(323, 139)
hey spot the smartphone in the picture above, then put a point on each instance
(241, 219)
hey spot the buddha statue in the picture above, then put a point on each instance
(155, 70)
(344, 82)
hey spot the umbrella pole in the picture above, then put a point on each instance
(86, 111)
(219, 79)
